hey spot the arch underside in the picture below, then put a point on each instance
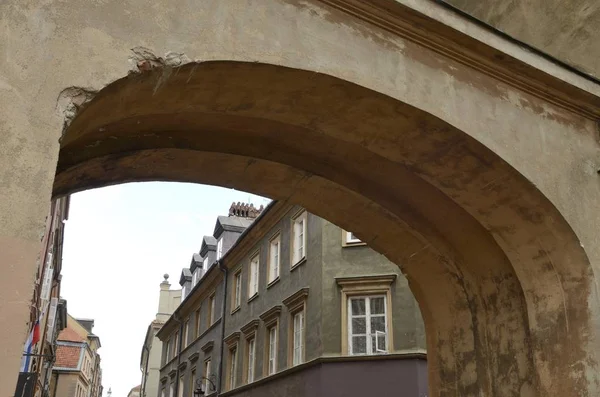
(500, 277)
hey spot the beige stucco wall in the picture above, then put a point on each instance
(52, 46)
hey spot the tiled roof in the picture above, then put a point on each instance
(67, 356)
(68, 334)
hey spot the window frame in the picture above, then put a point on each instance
(236, 301)
(250, 360)
(370, 349)
(186, 326)
(193, 378)
(207, 370)
(271, 276)
(349, 241)
(232, 359)
(296, 304)
(181, 386)
(219, 248)
(197, 332)
(300, 215)
(272, 349)
(366, 286)
(211, 309)
(253, 293)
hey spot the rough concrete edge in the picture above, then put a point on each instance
(73, 99)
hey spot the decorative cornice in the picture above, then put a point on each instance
(208, 346)
(182, 365)
(379, 279)
(250, 327)
(164, 379)
(172, 372)
(442, 39)
(232, 339)
(271, 315)
(295, 300)
(195, 355)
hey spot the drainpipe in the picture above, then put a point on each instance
(223, 306)
(178, 320)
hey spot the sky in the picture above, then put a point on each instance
(119, 241)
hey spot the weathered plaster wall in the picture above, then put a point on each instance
(52, 46)
(565, 29)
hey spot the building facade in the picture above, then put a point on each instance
(150, 362)
(47, 310)
(77, 371)
(286, 303)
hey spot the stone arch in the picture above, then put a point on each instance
(501, 278)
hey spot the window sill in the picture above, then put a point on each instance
(237, 309)
(354, 244)
(253, 297)
(273, 282)
(299, 263)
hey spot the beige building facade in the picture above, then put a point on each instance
(465, 158)
(150, 361)
(77, 371)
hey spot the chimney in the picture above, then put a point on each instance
(244, 210)
(164, 299)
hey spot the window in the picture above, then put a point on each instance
(207, 375)
(205, 263)
(168, 353)
(367, 325)
(195, 277)
(211, 310)
(274, 258)
(172, 389)
(192, 382)
(298, 335)
(253, 286)
(251, 360)
(186, 325)
(237, 290)
(350, 239)
(197, 327)
(232, 367)
(220, 248)
(183, 292)
(272, 353)
(299, 238)
(163, 392)
(176, 344)
(180, 387)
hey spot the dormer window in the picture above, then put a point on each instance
(220, 248)
(205, 264)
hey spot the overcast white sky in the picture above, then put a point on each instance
(119, 241)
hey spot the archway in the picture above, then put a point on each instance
(500, 277)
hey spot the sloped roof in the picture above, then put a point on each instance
(67, 356)
(70, 335)
(231, 223)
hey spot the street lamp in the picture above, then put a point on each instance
(199, 392)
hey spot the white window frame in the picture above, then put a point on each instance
(207, 375)
(352, 239)
(251, 359)
(205, 263)
(254, 275)
(181, 386)
(274, 258)
(237, 285)
(299, 238)
(370, 349)
(298, 324)
(186, 326)
(272, 353)
(219, 247)
(232, 367)
(211, 317)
